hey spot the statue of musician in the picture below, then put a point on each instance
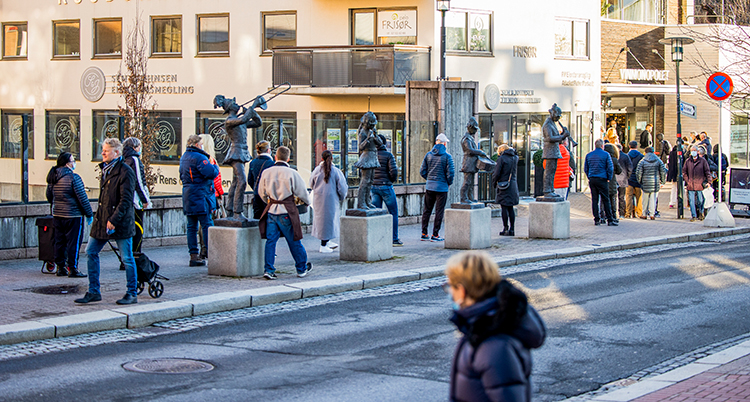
(236, 126)
(471, 157)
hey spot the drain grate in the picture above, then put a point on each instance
(168, 366)
(56, 289)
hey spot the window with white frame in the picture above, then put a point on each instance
(652, 11)
(468, 32)
(571, 39)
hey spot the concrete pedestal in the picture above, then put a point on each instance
(366, 238)
(549, 220)
(234, 251)
(468, 229)
(719, 216)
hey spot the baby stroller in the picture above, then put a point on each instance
(147, 272)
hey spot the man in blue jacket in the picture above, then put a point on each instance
(198, 200)
(633, 209)
(600, 170)
(438, 169)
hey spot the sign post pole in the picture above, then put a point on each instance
(719, 87)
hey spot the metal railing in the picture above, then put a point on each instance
(351, 66)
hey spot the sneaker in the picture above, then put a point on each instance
(657, 214)
(398, 243)
(331, 245)
(693, 219)
(89, 297)
(597, 223)
(307, 271)
(325, 249)
(425, 237)
(613, 223)
(436, 238)
(653, 217)
(270, 276)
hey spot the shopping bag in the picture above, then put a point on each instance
(708, 197)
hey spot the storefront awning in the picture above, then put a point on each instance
(645, 89)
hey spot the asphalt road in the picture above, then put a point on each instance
(606, 319)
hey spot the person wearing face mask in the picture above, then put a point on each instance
(697, 175)
(70, 204)
(197, 174)
(492, 361)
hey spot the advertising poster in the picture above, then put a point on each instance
(388, 134)
(353, 171)
(333, 139)
(739, 186)
(336, 159)
(399, 139)
(352, 135)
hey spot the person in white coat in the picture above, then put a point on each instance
(329, 189)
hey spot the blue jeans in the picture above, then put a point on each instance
(386, 194)
(696, 202)
(126, 252)
(277, 226)
(192, 230)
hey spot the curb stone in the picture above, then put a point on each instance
(145, 315)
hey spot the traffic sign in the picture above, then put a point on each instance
(719, 86)
(689, 110)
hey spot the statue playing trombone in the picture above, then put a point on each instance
(236, 125)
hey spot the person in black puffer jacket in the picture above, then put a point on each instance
(131, 155)
(66, 193)
(493, 359)
(382, 186)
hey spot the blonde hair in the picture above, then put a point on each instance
(208, 145)
(475, 271)
(501, 148)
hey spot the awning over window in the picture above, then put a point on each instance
(645, 89)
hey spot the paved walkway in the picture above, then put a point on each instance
(21, 280)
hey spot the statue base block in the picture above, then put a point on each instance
(472, 205)
(236, 223)
(366, 238)
(366, 212)
(549, 220)
(235, 251)
(468, 229)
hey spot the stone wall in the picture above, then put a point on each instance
(164, 222)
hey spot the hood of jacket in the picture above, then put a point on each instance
(634, 153)
(198, 150)
(439, 149)
(509, 152)
(127, 152)
(490, 317)
(59, 173)
(651, 158)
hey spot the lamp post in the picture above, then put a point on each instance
(442, 6)
(677, 43)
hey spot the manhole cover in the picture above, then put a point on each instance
(56, 289)
(168, 366)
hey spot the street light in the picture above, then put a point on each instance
(442, 6)
(677, 43)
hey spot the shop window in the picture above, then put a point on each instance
(63, 133)
(468, 31)
(213, 35)
(108, 38)
(67, 39)
(278, 129)
(166, 36)
(168, 137)
(12, 130)
(571, 39)
(279, 29)
(338, 133)
(15, 40)
(105, 124)
(213, 123)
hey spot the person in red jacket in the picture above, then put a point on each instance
(697, 176)
(562, 174)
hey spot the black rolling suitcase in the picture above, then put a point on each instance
(46, 235)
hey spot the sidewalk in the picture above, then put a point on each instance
(723, 376)
(28, 314)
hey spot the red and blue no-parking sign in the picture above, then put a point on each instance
(719, 86)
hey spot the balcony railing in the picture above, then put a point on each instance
(351, 66)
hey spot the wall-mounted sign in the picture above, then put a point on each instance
(628, 74)
(518, 96)
(93, 84)
(397, 23)
(688, 110)
(575, 79)
(159, 89)
(524, 51)
(491, 96)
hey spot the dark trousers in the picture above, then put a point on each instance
(612, 204)
(258, 206)
(508, 215)
(138, 238)
(68, 238)
(433, 199)
(621, 200)
(600, 190)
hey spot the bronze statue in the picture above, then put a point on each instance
(553, 133)
(236, 126)
(469, 165)
(369, 141)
